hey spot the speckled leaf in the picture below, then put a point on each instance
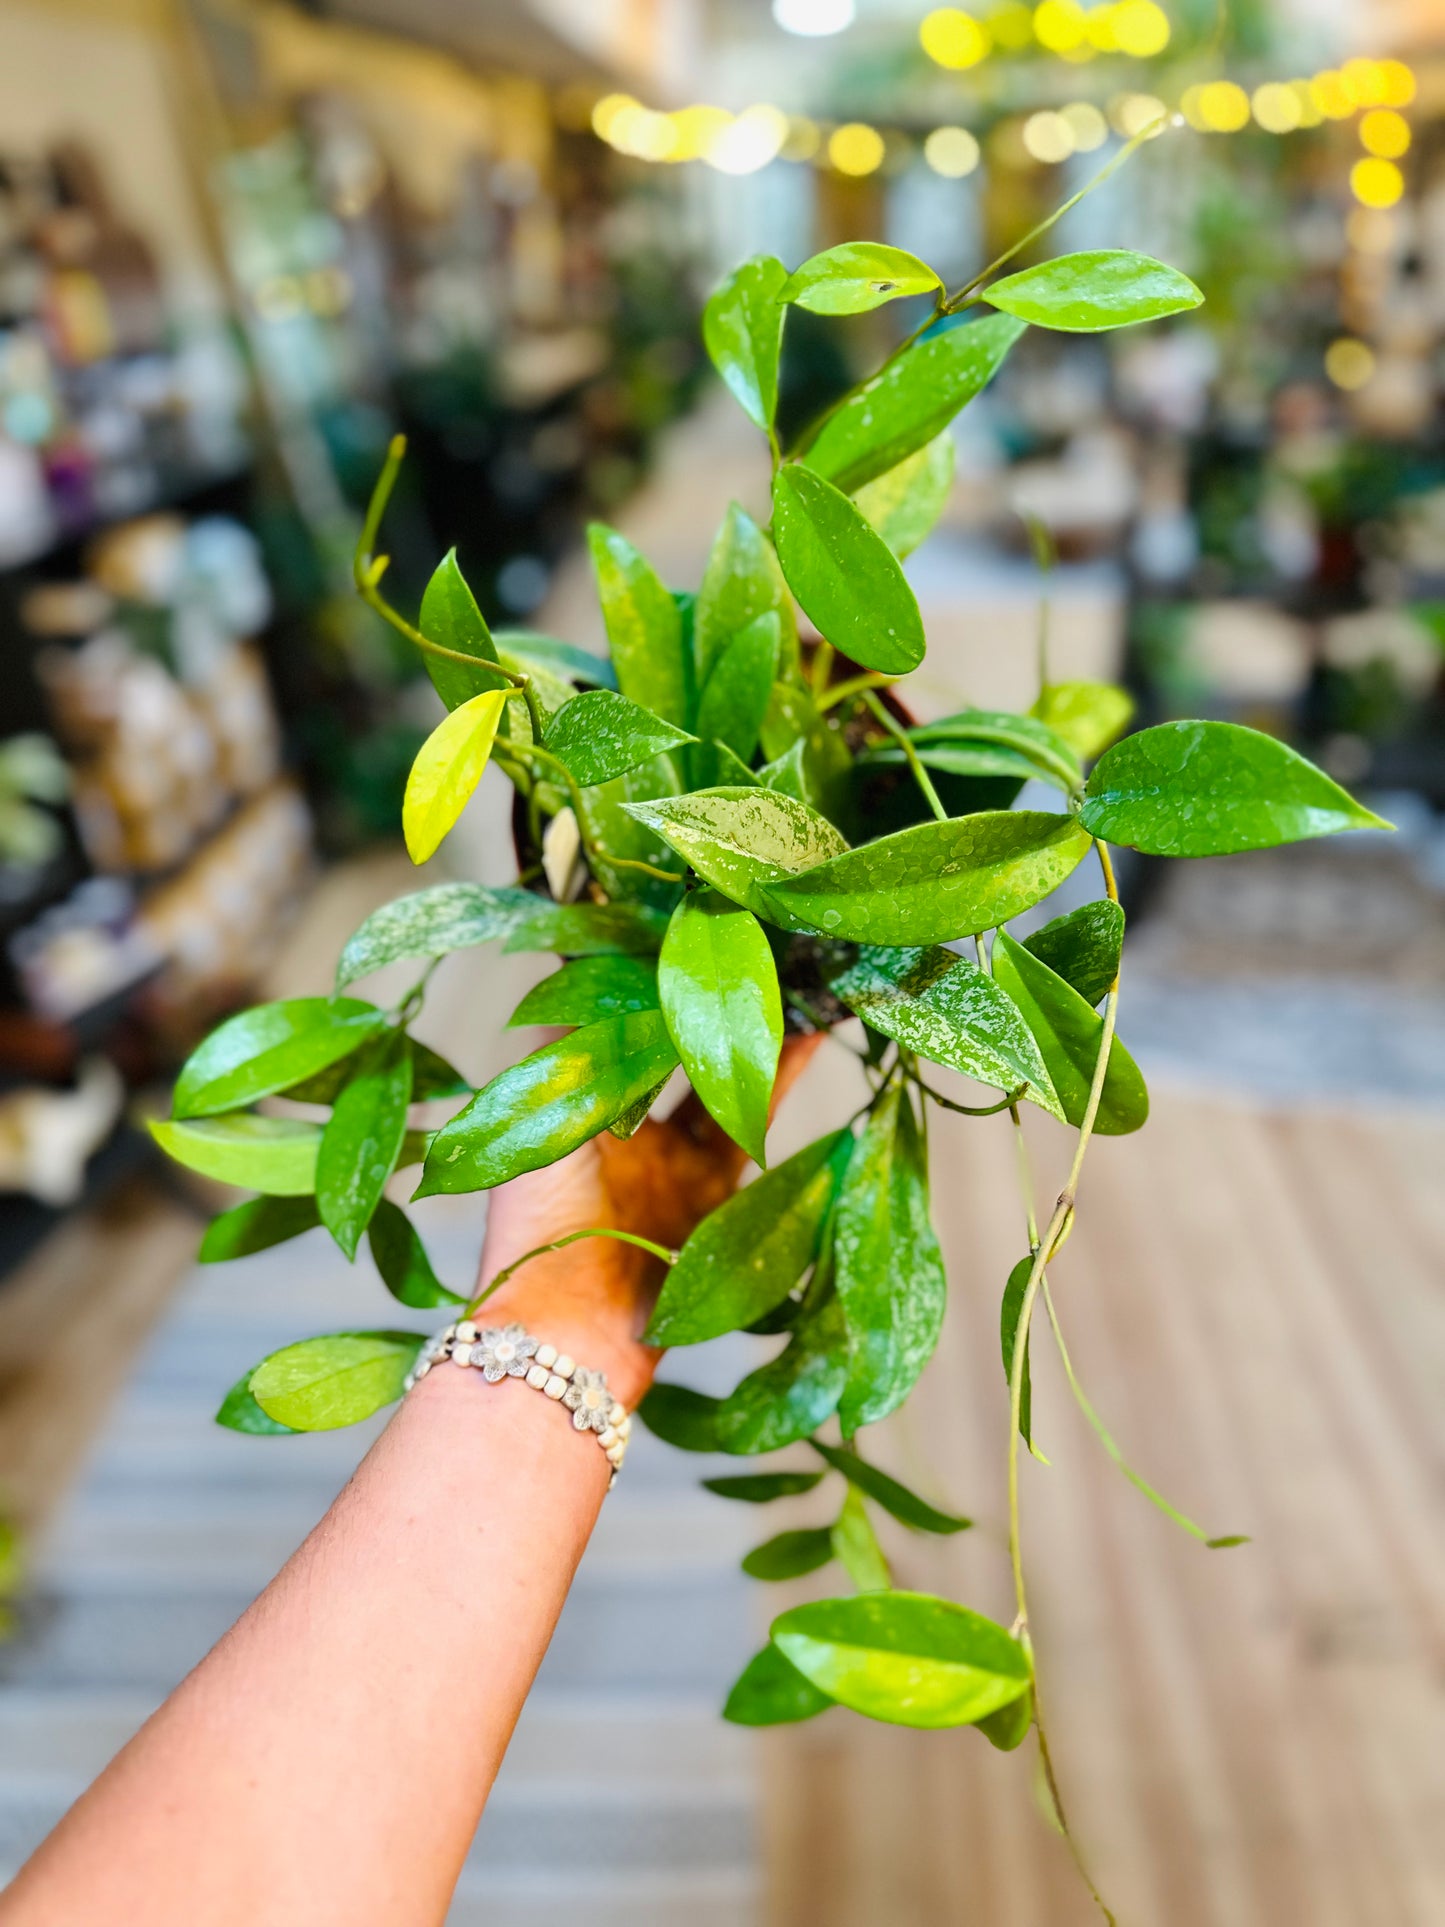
(790, 1554)
(431, 923)
(401, 1259)
(951, 1012)
(1083, 947)
(1206, 789)
(905, 1657)
(268, 1048)
(746, 1256)
(935, 881)
(789, 1398)
(845, 576)
(742, 329)
(644, 628)
(450, 616)
(323, 1383)
(735, 700)
(742, 840)
(904, 1505)
(1084, 293)
(1087, 715)
(589, 989)
(761, 1488)
(770, 1692)
(600, 735)
(276, 1155)
(1069, 1033)
(362, 1139)
(808, 758)
(904, 502)
(741, 582)
(256, 1226)
(856, 276)
(588, 929)
(910, 400)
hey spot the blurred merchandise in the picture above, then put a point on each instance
(47, 1137)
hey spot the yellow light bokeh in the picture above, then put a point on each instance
(1223, 107)
(1011, 26)
(1277, 107)
(1140, 28)
(1059, 26)
(1132, 113)
(1365, 81)
(954, 38)
(1099, 29)
(1376, 183)
(804, 139)
(1047, 137)
(1372, 230)
(696, 128)
(1349, 363)
(749, 142)
(1384, 133)
(1309, 111)
(1398, 83)
(951, 152)
(1332, 95)
(855, 148)
(609, 110)
(1086, 124)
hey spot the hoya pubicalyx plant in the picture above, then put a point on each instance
(729, 829)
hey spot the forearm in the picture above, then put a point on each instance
(329, 1759)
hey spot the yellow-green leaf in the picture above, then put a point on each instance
(447, 769)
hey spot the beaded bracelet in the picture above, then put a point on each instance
(510, 1351)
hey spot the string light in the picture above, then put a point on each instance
(1384, 133)
(1059, 25)
(1277, 107)
(1376, 183)
(954, 38)
(1139, 27)
(856, 148)
(951, 152)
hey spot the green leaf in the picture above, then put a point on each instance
(433, 1076)
(268, 1048)
(681, 1417)
(887, 1263)
(935, 881)
(589, 989)
(362, 1141)
(610, 832)
(790, 1397)
(1008, 1324)
(539, 1110)
(324, 1383)
(856, 1545)
(845, 576)
(562, 659)
(905, 1657)
(401, 1259)
(856, 276)
(809, 759)
(790, 1554)
(951, 1012)
(431, 923)
(742, 840)
(447, 769)
(644, 628)
(735, 699)
(1044, 753)
(905, 501)
(1207, 789)
(450, 616)
(770, 1692)
(741, 582)
(761, 1488)
(742, 329)
(1009, 1726)
(905, 1506)
(1084, 293)
(629, 1122)
(588, 929)
(600, 735)
(1087, 715)
(715, 766)
(718, 987)
(1069, 1033)
(256, 1226)
(746, 1256)
(1083, 947)
(910, 400)
(239, 1412)
(276, 1155)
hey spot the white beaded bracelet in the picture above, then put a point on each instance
(510, 1351)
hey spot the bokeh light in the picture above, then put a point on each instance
(1277, 107)
(1398, 83)
(1059, 26)
(1332, 95)
(1047, 137)
(1376, 183)
(1349, 363)
(954, 38)
(856, 148)
(1139, 27)
(1087, 126)
(1132, 113)
(1385, 133)
(951, 152)
(749, 142)
(814, 18)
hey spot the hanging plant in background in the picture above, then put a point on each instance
(728, 834)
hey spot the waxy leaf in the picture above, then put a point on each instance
(564, 660)
(362, 1140)
(761, 1488)
(644, 628)
(600, 735)
(554, 1100)
(276, 1155)
(1008, 1324)
(431, 923)
(905, 1657)
(402, 1261)
(1083, 947)
(845, 576)
(611, 833)
(910, 400)
(808, 758)
(239, 1412)
(1047, 755)
(718, 987)
(935, 881)
(1087, 715)
(887, 1263)
(588, 929)
(904, 1505)
(742, 840)
(323, 1383)
(629, 1122)
(1084, 293)
(905, 501)
(789, 1398)
(433, 1076)
(742, 329)
(1009, 1726)
(857, 276)
(447, 769)
(790, 1554)
(589, 989)
(735, 700)
(715, 766)
(1206, 789)
(682, 1417)
(770, 1692)
(855, 1545)
(256, 1226)
(746, 1256)
(268, 1049)
(741, 582)
(951, 1012)
(450, 616)
(1069, 1033)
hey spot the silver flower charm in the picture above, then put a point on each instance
(588, 1400)
(430, 1352)
(507, 1353)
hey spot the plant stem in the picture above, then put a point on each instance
(574, 796)
(1045, 557)
(905, 742)
(558, 1244)
(855, 685)
(1007, 1103)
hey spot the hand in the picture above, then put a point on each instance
(595, 1296)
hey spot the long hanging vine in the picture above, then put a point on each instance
(730, 833)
